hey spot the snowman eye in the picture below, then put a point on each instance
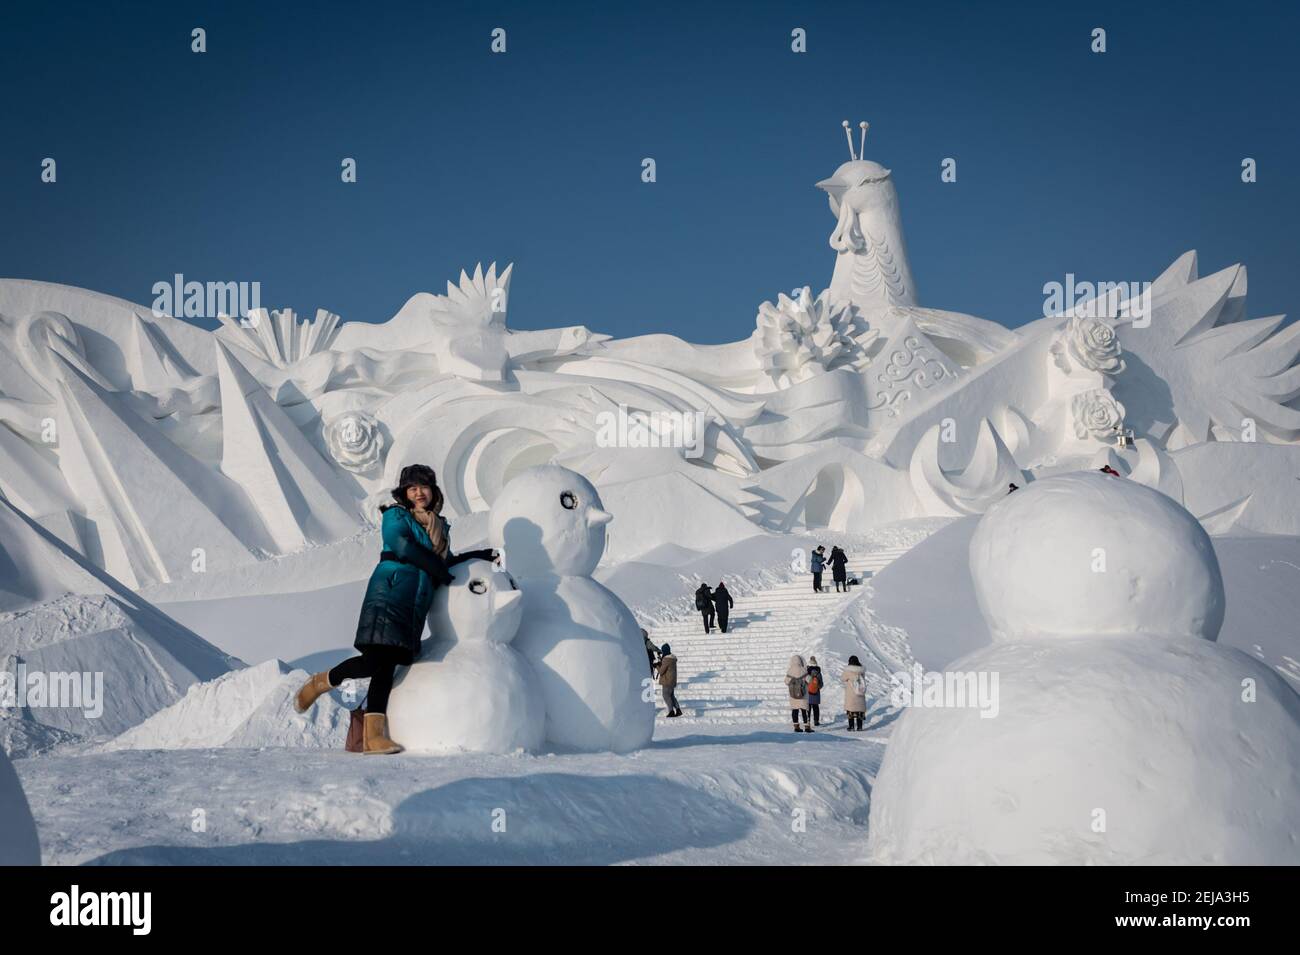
(568, 500)
(477, 586)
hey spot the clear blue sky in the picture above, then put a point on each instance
(225, 166)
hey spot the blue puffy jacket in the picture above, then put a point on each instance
(401, 590)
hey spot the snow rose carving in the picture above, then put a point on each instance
(797, 339)
(1091, 342)
(1096, 414)
(355, 440)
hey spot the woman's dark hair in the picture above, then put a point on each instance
(854, 662)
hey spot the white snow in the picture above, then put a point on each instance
(250, 708)
(1104, 750)
(19, 844)
(1140, 742)
(704, 795)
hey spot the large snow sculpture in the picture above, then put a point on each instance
(1121, 733)
(582, 641)
(470, 690)
(114, 421)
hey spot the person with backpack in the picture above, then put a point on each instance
(704, 604)
(855, 693)
(796, 681)
(668, 680)
(722, 604)
(815, 684)
(839, 560)
(818, 565)
(651, 651)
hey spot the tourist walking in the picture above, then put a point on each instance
(704, 604)
(722, 604)
(668, 680)
(796, 681)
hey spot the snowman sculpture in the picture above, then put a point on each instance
(470, 690)
(1122, 733)
(582, 640)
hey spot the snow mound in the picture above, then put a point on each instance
(63, 621)
(246, 709)
(1123, 742)
(1091, 553)
(19, 844)
(1104, 750)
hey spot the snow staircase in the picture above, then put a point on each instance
(740, 675)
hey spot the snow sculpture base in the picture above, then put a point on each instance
(1119, 731)
(1153, 732)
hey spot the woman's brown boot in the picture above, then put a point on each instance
(376, 738)
(312, 690)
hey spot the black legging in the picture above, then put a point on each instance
(378, 663)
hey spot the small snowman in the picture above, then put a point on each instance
(1122, 732)
(470, 690)
(582, 640)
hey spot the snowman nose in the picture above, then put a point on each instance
(596, 516)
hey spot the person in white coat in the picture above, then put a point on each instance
(796, 682)
(855, 694)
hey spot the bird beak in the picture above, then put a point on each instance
(502, 599)
(597, 516)
(830, 185)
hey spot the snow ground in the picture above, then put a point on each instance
(700, 794)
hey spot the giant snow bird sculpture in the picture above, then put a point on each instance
(132, 437)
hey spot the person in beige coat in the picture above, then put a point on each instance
(668, 680)
(855, 694)
(796, 682)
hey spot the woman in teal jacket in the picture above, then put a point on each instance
(414, 563)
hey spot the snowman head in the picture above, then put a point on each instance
(481, 605)
(1092, 554)
(549, 520)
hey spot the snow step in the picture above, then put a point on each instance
(740, 674)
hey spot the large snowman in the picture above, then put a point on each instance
(582, 640)
(1123, 733)
(470, 690)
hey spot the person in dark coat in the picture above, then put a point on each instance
(704, 604)
(815, 682)
(722, 604)
(818, 565)
(838, 562)
(415, 562)
(651, 651)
